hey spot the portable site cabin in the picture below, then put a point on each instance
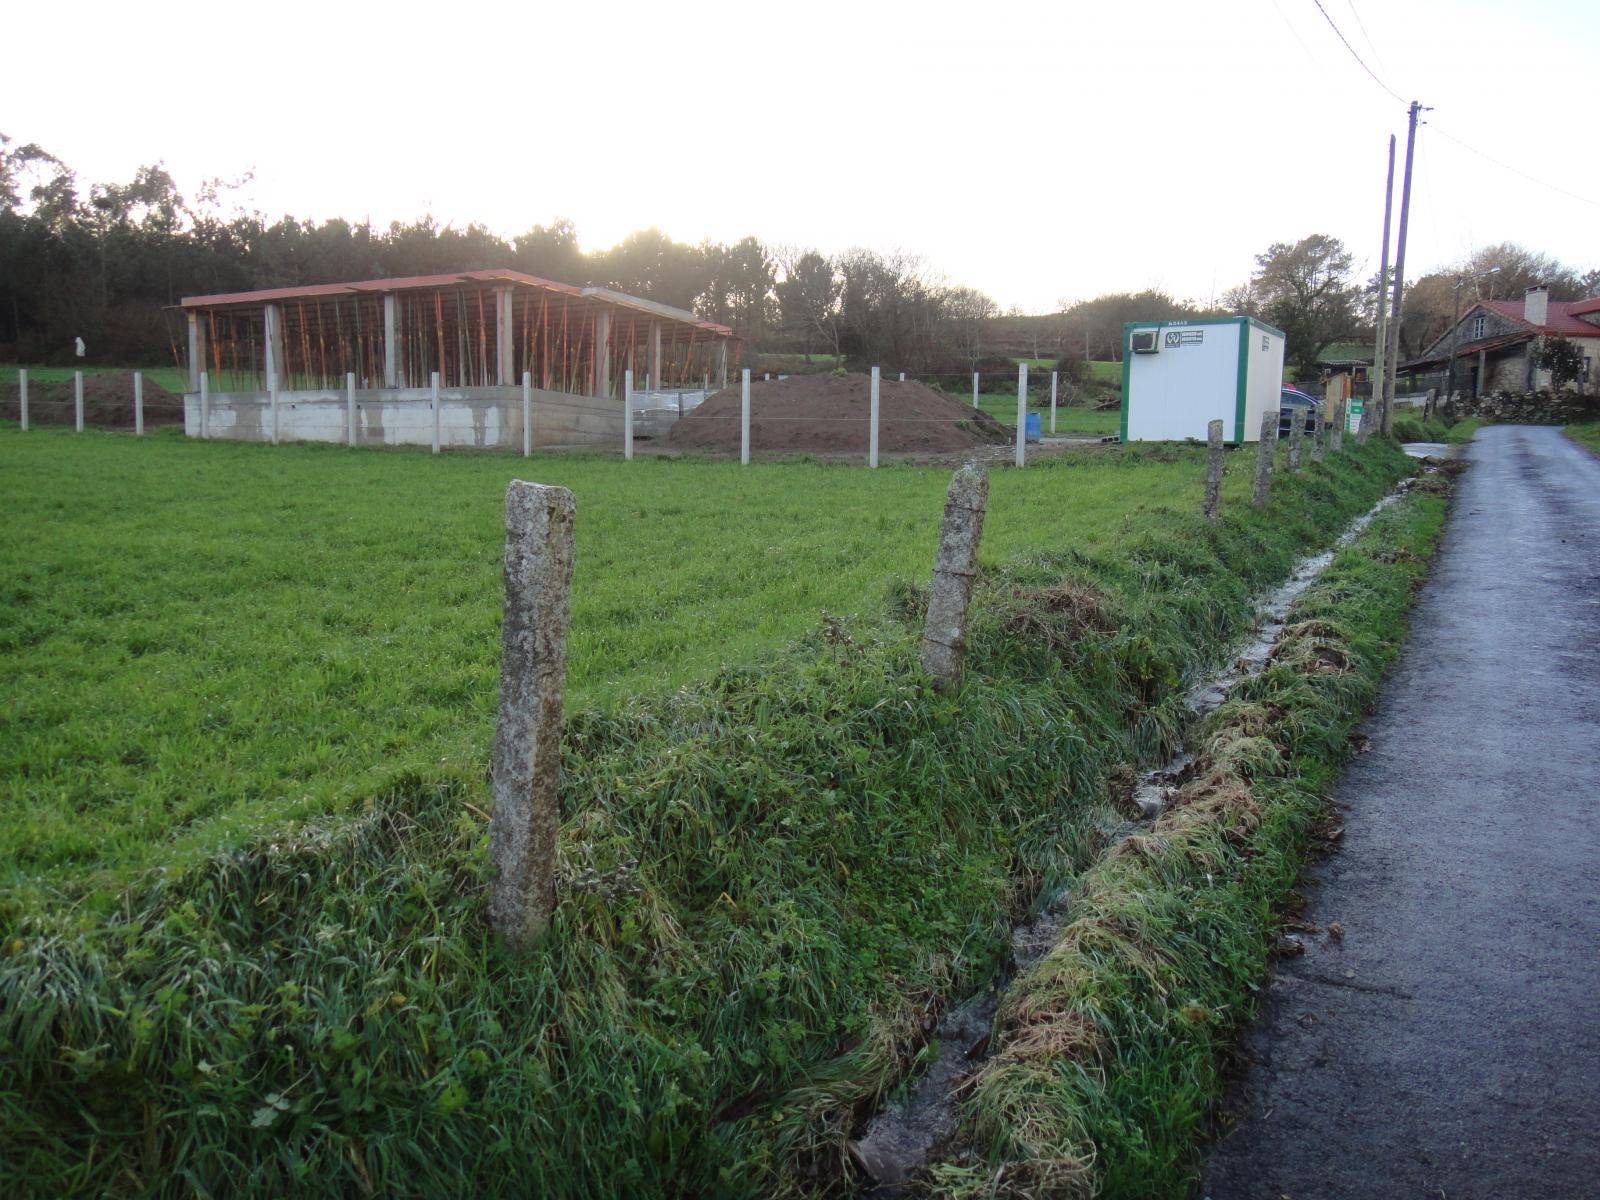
(1178, 376)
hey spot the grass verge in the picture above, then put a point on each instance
(1108, 1051)
(769, 879)
(1587, 434)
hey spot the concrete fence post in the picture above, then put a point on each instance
(1053, 375)
(1213, 504)
(272, 400)
(1022, 414)
(955, 567)
(902, 376)
(1297, 433)
(527, 413)
(205, 405)
(744, 417)
(22, 397)
(77, 400)
(872, 421)
(525, 763)
(1336, 431)
(1266, 448)
(350, 409)
(138, 404)
(434, 386)
(974, 389)
(627, 413)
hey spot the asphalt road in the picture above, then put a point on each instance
(1449, 1044)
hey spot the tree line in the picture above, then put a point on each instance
(106, 262)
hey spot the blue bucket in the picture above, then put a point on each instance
(1032, 428)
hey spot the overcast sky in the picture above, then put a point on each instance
(1039, 152)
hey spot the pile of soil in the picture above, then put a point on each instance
(830, 414)
(107, 402)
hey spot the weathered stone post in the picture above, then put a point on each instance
(525, 763)
(1213, 470)
(1319, 439)
(1336, 430)
(944, 631)
(1297, 432)
(1266, 448)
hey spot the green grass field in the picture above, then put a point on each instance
(197, 638)
(1587, 434)
(770, 873)
(174, 379)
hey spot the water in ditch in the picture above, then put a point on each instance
(902, 1136)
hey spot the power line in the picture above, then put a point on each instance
(1365, 36)
(1514, 170)
(1334, 26)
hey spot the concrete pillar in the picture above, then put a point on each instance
(627, 413)
(350, 409)
(433, 384)
(974, 389)
(602, 353)
(1213, 502)
(22, 397)
(1266, 449)
(655, 355)
(744, 417)
(1483, 367)
(1053, 375)
(525, 762)
(138, 403)
(391, 341)
(1022, 413)
(77, 400)
(1336, 428)
(197, 350)
(505, 333)
(1297, 432)
(527, 413)
(872, 423)
(205, 405)
(272, 344)
(955, 566)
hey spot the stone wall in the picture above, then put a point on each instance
(1523, 408)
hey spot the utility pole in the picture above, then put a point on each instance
(1400, 271)
(1379, 373)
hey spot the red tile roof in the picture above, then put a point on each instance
(1560, 319)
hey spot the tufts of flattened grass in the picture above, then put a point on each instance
(1108, 1051)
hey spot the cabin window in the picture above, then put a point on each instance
(1480, 324)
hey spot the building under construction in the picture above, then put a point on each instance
(479, 358)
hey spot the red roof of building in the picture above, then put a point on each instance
(1561, 318)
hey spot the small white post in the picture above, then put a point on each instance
(1022, 413)
(205, 405)
(138, 404)
(77, 399)
(1053, 402)
(435, 387)
(274, 401)
(902, 376)
(766, 376)
(350, 409)
(627, 413)
(22, 385)
(527, 413)
(872, 437)
(974, 389)
(744, 417)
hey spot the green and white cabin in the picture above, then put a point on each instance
(1178, 376)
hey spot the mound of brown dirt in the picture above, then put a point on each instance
(107, 402)
(830, 414)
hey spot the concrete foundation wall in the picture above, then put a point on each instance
(481, 418)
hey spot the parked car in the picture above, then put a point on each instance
(1291, 398)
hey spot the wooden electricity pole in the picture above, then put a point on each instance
(1400, 271)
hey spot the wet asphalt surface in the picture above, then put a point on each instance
(1449, 1044)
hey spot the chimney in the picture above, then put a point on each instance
(1536, 304)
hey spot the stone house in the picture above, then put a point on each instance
(1492, 344)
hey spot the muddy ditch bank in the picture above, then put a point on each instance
(903, 1137)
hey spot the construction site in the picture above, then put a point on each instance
(486, 359)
